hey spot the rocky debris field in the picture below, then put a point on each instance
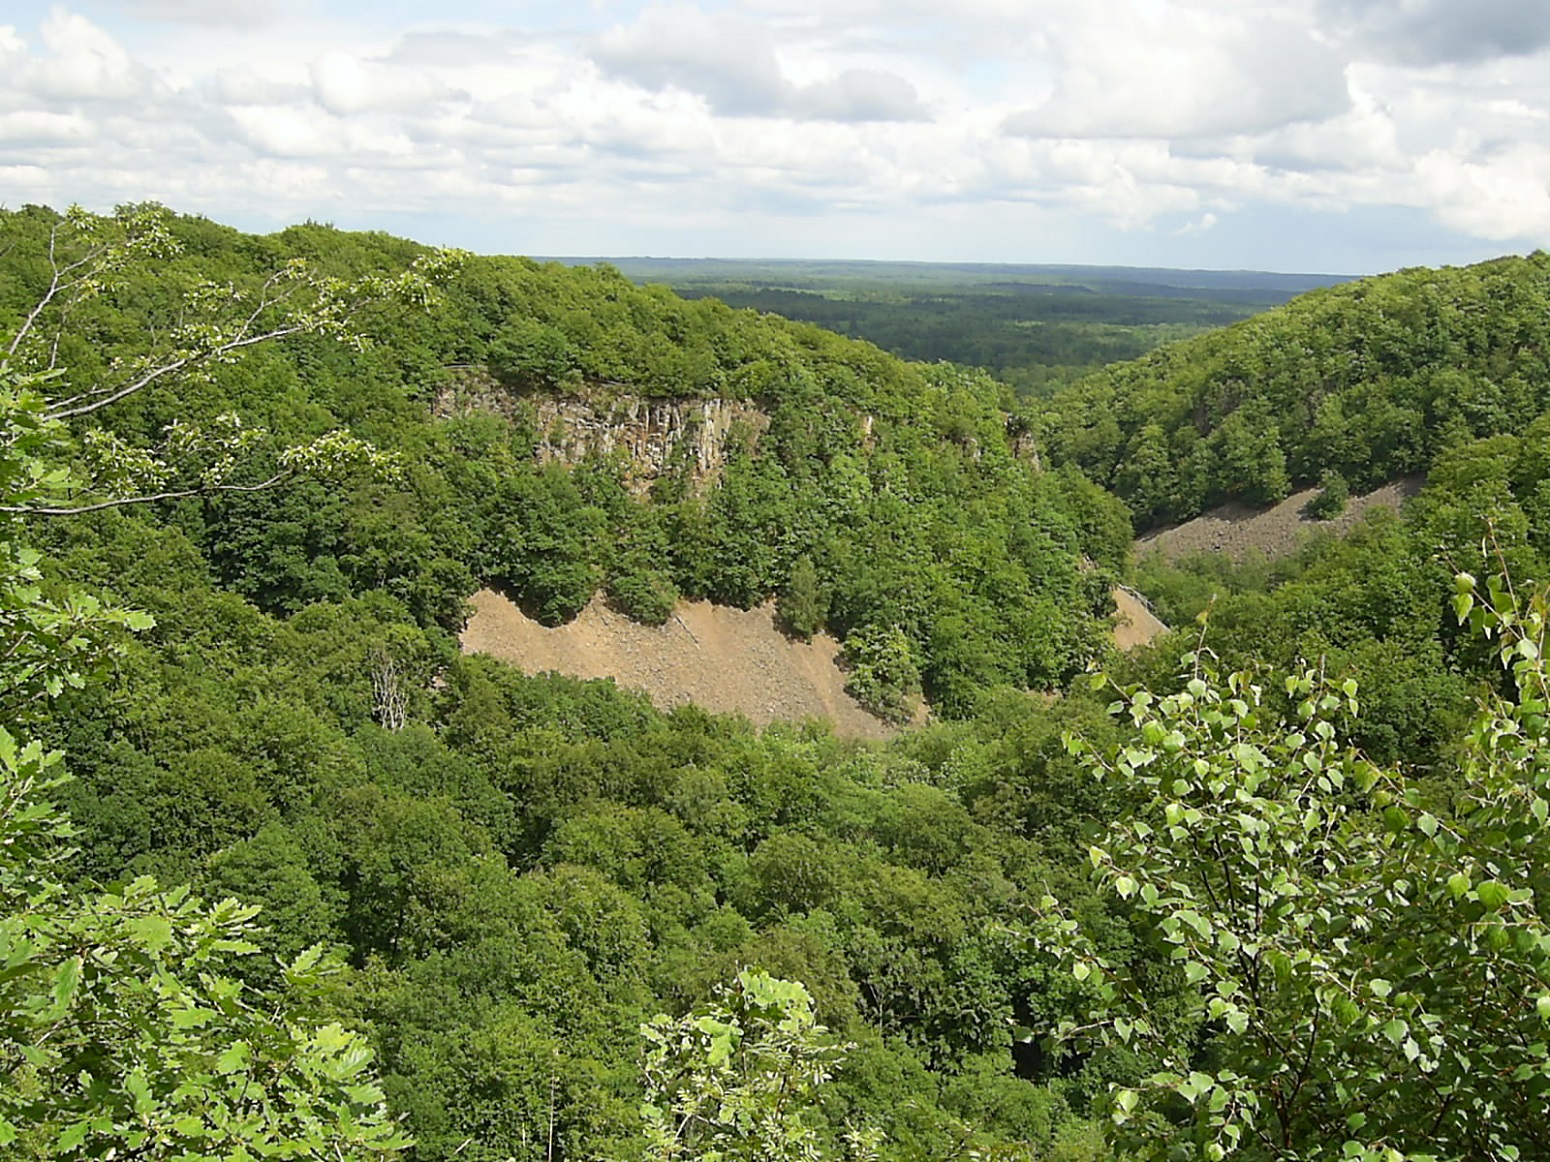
(1238, 530)
(726, 660)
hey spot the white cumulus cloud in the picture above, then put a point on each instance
(346, 85)
(34, 127)
(84, 64)
(1502, 198)
(730, 60)
(1185, 72)
(988, 128)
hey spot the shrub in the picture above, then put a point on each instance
(643, 594)
(802, 605)
(1332, 497)
(883, 675)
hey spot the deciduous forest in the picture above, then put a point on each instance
(285, 874)
(1035, 328)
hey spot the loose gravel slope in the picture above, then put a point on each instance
(726, 660)
(1237, 530)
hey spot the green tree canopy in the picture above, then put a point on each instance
(1371, 959)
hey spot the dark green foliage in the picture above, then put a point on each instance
(1035, 328)
(533, 866)
(1372, 380)
(883, 674)
(802, 604)
(1332, 497)
(647, 595)
(544, 544)
(521, 871)
(528, 355)
(859, 489)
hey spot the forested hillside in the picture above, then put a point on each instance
(246, 485)
(892, 491)
(1367, 382)
(519, 871)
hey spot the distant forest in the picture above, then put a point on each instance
(1033, 327)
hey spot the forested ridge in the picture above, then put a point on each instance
(1291, 911)
(1367, 381)
(892, 489)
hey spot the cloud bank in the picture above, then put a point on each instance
(980, 129)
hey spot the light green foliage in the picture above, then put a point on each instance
(1372, 964)
(524, 869)
(1332, 497)
(1372, 380)
(1371, 604)
(210, 458)
(740, 1080)
(120, 1035)
(883, 676)
(50, 641)
(93, 260)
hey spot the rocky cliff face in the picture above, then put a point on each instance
(652, 436)
(1025, 447)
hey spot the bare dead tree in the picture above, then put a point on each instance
(389, 691)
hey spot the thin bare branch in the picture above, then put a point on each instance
(38, 308)
(63, 410)
(150, 498)
(59, 281)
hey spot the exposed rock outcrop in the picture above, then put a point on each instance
(1136, 625)
(651, 436)
(1025, 447)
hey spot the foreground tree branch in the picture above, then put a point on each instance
(1406, 950)
(151, 498)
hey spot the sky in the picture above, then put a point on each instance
(1333, 136)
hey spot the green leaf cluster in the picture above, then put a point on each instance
(1368, 959)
